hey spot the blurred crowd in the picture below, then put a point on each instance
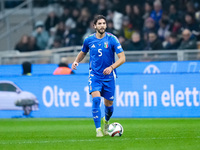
(138, 24)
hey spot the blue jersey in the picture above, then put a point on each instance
(102, 53)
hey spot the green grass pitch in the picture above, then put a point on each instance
(79, 134)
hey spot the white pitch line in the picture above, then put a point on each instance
(92, 140)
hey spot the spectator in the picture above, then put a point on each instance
(57, 43)
(147, 10)
(110, 27)
(51, 38)
(32, 44)
(23, 44)
(27, 68)
(164, 29)
(156, 14)
(80, 4)
(41, 35)
(197, 16)
(110, 15)
(70, 3)
(127, 28)
(137, 20)
(52, 20)
(83, 22)
(74, 25)
(173, 42)
(189, 41)
(26, 44)
(117, 6)
(190, 7)
(128, 11)
(89, 30)
(153, 43)
(102, 8)
(63, 68)
(118, 20)
(71, 32)
(191, 24)
(121, 40)
(165, 16)
(93, 5)
(71, 22)
(149, 26)
(60, 30)
(66, 14)
(135, 43)
(174, 14)
(176, 27)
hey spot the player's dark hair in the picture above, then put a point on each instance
(98, 17)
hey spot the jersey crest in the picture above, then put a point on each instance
(106, 44)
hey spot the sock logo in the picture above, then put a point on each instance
(95, 117)
(95, 111)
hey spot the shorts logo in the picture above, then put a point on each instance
(112, 97)
(106, 44)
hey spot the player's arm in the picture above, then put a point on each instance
(118, 63)
(78, 59)
(81, 55)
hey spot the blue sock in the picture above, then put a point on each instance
(108, 112)
(96, 111)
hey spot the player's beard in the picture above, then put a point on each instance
(101, 31)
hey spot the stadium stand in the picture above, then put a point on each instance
(68, 22)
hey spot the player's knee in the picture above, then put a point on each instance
(96, 102)
(108, 102)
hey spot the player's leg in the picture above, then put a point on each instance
(95, 86)
(108, 114)
(108, 109)
(108, 91)
(96, 112)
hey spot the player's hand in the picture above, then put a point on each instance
(74, 65)
(107, 71)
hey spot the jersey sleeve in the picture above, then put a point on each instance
(116, 45)
(85, 47)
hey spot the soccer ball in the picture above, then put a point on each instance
(115, 129)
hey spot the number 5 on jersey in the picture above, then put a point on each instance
(100, 52)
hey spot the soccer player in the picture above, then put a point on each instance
(102, 46)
